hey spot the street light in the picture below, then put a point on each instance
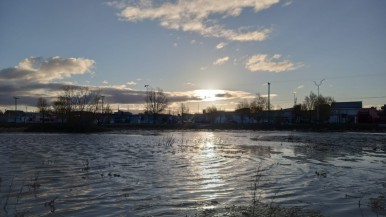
(317, 101)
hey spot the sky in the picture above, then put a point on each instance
(200, 52)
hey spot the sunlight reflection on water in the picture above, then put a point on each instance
(146, 173)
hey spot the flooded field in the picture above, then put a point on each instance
(184, 173)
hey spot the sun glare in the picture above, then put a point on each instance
(208, 94)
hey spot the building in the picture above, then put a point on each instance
(368, 115)
(345, 112)
(122, 117)
(12, 116)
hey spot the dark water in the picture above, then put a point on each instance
(181, 173)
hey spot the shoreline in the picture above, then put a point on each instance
(64, 128)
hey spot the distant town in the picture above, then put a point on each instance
(80, 108)
(341, 113)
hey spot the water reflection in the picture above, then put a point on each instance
(207, 163)
(142, 174)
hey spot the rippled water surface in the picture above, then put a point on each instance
(150, 173)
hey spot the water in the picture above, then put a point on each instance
(151, 173)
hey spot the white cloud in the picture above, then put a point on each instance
(105, 82)
(221, 61)
(197, 16)
(131, 83)
(288, 3)
(221, 45)
(264, 63)
(40, 70)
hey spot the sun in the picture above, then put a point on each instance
(208, 94)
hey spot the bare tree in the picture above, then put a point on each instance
(260, 103)
(184, 109)
(60, 107)
(79, 98)
(43, 107)
(243, 108)
(155, 101)
(311, 102)
(77, 104)
(212, 112)
(242, 105)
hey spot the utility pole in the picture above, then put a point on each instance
(102, 115)
(15, 107)
(317, 101)
(102, 97)
(147, 102)
(295, 99)
(269, 101)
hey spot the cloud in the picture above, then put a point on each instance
(221, 61)
(131, 83)
(40, 70)
(221, 45)
(210, 95)
(224, 95)
(105, 82)
(288, 3)
(264, 63)
(190, 84)
(202, 17)
(36, 77)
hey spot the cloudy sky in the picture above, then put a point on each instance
(201, 52)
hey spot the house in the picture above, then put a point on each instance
(382, 114)
(368, 115)
(345, 112)
(122, 117)
(14, 116)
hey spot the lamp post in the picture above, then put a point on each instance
(15, 98)
(317, 101)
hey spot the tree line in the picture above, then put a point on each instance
(82, 106)
(76, 105)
